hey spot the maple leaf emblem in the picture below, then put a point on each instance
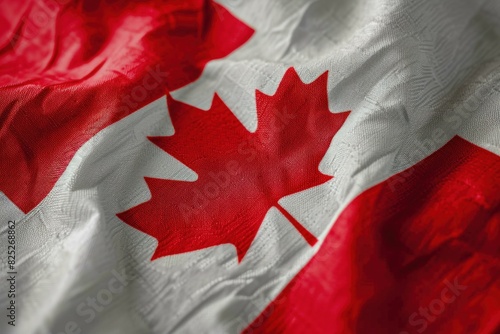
(241, 175)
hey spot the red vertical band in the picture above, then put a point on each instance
(418, 252)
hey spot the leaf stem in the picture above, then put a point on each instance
(308, 236)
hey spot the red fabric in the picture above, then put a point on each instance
(70, 68)
(416, 253)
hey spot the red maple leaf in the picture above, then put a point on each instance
(241, 175)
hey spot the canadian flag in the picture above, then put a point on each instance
(231, 166)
